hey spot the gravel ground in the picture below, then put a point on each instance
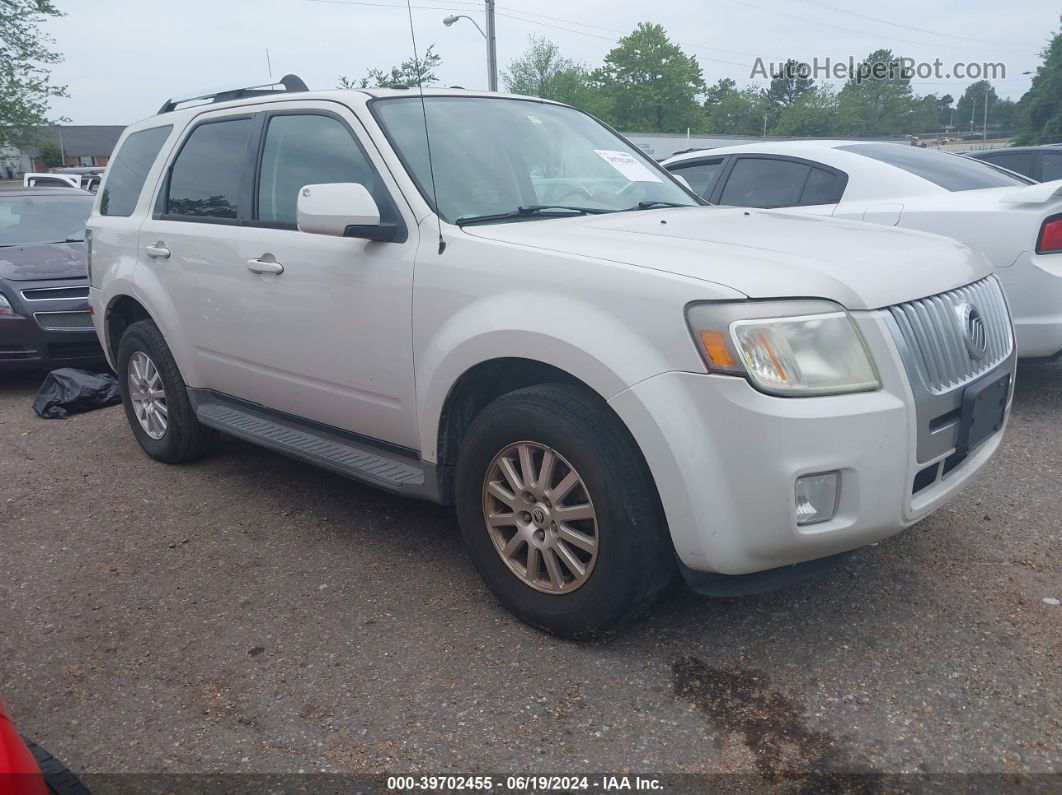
(249, 613)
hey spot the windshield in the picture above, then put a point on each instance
(947, 171)
(493, 157)
(36, 220)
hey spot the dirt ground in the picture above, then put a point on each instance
(250, 613)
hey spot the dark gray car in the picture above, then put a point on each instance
(1041, 163)
(44, 315)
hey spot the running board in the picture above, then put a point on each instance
(331, 449)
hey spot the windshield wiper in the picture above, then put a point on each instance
(531, 211)
(653, 204)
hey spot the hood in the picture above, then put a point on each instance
(761, 253)
(36, 263)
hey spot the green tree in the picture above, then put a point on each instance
(541, 71)
(51, 155)
(26, 54)
(813, 114)
(945, 109)
(649, 83)
(969, 112)
(410, 72)
(730, 111)
(1039, 111)
(789, 83)
(878, 100)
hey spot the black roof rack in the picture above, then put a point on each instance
(290, 83)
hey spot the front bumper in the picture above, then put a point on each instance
(49, 329)
(726, 457)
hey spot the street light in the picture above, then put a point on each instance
(492, 47)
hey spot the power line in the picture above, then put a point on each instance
(900, 25)
(838, 27)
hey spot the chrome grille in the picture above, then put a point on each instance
(944, 354)
(56, 293)
(64, 321)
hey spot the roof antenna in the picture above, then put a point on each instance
(424, 113)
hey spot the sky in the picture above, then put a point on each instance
(123, 58)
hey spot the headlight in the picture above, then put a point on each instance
(795, 348)
(5, 306)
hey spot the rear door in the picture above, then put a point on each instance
(188, 253)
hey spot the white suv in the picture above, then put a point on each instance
(498, 303)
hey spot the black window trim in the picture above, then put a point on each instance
(242, 197)
(728, 169)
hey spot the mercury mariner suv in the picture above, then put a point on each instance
(498, 303)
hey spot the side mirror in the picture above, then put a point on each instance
(341, 209)
(682, 179)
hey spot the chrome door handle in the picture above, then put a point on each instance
(264, 266)
(157, 251)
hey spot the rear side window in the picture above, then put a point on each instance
(701, 176)
(951, 172)
(1052, 166)
(129, 169)
(306, 150)
(763, 182)
(1022, 162)
(205, 177)
(823, 187)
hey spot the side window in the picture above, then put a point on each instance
(1052, 166)
(823, 187)
(1022, 162)
(701, 176)
(205, 177)
(306, 150)
(129, 169)
(763, 182)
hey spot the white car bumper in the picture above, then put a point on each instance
(726, 458)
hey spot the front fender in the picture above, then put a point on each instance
(599, 347)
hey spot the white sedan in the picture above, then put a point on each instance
(1015, 222)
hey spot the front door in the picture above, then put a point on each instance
(328, 335)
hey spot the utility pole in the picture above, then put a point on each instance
(492, 49)
(765, 124)
(984, 129)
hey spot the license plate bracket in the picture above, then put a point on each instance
(984, 407)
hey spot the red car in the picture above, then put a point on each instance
(27, 769)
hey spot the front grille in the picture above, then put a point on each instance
(932, 329)
(64, 321)
(56, 293)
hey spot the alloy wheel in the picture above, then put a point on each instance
(540, 517)
(147, 395)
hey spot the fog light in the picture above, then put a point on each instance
(816, 497)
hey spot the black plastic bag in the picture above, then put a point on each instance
(69, 390)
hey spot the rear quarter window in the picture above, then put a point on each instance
(951, 172)
(129, 170)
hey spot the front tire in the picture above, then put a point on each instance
(156, 399)
(559, 512)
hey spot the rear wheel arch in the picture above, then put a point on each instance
(122, 312)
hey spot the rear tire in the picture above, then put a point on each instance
(156, 399)
(588, 588)
(58, 778)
